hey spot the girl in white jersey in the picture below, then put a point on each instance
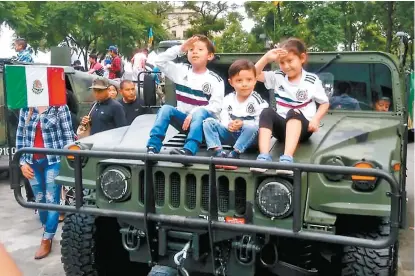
(296, 93)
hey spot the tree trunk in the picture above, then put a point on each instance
(389, 26)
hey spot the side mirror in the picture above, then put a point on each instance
(149, 90)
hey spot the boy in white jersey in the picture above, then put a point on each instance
(239, 118)
(199, 94)
(296, 93)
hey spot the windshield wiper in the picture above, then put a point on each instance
(327, 64)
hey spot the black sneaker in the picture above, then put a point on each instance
(220, 154)
(151, 150)
(184, 152)
(232, 155)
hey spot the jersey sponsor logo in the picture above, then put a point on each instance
(229, 108)
(302, 94)
(207, 88)
(250, 108)
(281, 88)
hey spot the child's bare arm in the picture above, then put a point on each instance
(271, 56)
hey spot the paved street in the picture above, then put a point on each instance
(20, 231)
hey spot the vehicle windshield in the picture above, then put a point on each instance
(357, 86)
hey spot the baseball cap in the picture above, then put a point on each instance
(100, 83)
(112, 48)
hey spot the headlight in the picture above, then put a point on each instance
(274, 198)
(364, 183)
(335, 161)
(71, 158)
(114, 183)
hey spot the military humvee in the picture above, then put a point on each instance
(339, 214)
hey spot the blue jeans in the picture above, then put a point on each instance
(46, 191)
(169, 115)
(216, 134)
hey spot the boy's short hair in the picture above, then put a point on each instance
(22, 42)
(124, 82)
(239, 65)
(94, 56)
(209, 44)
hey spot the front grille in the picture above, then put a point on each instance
(175, 190)
(160, 188)
(223, 194)
(240, 196)
(205, 192)
(192, 189)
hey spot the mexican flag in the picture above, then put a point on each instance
(32, 86)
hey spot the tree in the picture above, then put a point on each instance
(209, 16)
(91, 26)
(234, 39)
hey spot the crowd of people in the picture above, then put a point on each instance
(112, 67)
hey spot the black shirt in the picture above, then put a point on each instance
(132, 110)
(107, 115)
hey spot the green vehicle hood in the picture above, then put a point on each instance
(356, 136)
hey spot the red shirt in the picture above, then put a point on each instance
(115, 68)
(38, 143)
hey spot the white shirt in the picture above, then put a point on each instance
(248, 111)
(193, 91)
(139, 61)
(302, 96)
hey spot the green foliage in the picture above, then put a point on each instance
(209, 16)
(86, 26)
(324, 26)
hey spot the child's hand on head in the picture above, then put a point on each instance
(276, 54)
(189, 43)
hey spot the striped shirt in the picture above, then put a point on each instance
(24, 56)
(248, 111)
(302, 96)
(193, 91)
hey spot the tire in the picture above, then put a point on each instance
(361, 261)
(92, 246)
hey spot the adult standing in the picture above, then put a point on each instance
(129, 101)
(139, 63)
(94, 66)
(51, 128)
(115, 69)
(106, 112)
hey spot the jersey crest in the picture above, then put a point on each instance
(250, 108)
(302, 94)
(207, 88)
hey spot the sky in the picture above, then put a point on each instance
(6, 37)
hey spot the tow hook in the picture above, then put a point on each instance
(180, 257)
(131, 238)
(245, 250)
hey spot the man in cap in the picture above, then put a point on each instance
(106, 113)
(115, 69)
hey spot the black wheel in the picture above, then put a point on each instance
(149, 90)
(359, 261)
(92, 246)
